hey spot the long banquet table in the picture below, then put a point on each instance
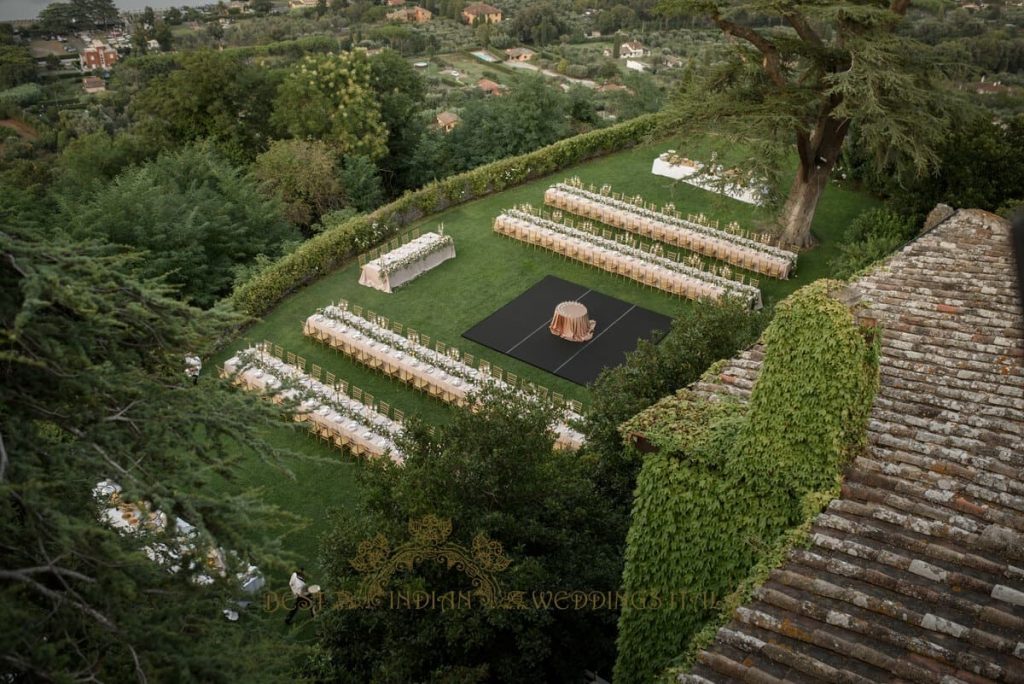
(648, 273)
(698, 241)
(357, 437)
(377, 275)
(418, 372)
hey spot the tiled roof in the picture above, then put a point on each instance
(481, 8)
(916, 572)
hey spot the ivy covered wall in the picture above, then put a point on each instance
(729, 478)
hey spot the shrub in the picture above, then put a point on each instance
(338, 242)
(873, 235)
(730, 479)
(24, 94)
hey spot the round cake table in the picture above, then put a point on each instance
(571, 322)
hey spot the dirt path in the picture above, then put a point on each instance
(21, 128)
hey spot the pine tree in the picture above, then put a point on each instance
(832, 66)
(93, 388)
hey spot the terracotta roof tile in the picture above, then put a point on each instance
(916, 572)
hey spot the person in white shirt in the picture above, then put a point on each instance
(193, 366)
(300, 591)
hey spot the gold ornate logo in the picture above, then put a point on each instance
(378, 562)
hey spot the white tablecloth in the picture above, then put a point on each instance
(373, 274)
(361, 439)
(413, 371)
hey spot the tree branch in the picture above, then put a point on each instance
(3, 457)
(803, 29)
(772, 63)
(899, 7)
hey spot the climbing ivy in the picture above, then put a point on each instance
(728, 479)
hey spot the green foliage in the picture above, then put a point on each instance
(93, 160)
(873, 235)
(729, 479)
(193, 212)
(981, 166)
(338, 242)
(330, 98)
(303, 174)
(93, 388)
(24, 94)
(16, 66)
(77, 15)
(400, 92)
(539, 23)
(492, 472)
(529, 116)
(701, 335)
(361, 182)
(215, 96)
(836, 66)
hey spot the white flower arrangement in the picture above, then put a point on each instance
(748, 293)
(305, 388)
(429, 244)
(575, 188)
(475, 379)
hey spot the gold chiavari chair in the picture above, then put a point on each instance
(371, 315)
(368, 400)
(343, 387)
(558, 399)
(396, 328)
(300, 361)
(512, 379)
(439, 347)
(357, 310)
(330, 378)
(356, 394)
(315, 372)
(384, 322)
(484, 367)
(425, 341)
(497, 373)
(468, 359)
(384, 408)
(575, 406)
(362, 260)
(290, 359)
(279, 351)
(398, 416)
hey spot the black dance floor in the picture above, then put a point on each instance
(520, 330)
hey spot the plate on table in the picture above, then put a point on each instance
(399, 355)
(259, 374)
(430, 371)
(357, 336)
(368, 435)
(352, 425)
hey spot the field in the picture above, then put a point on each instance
(488, 272)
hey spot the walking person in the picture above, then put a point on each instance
(193, 366)
(303, 596)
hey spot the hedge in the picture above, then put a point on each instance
(730, 479)
(337, 243)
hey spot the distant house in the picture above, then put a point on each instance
(636, 65)
(240, 6)
(98, 55)
(395, 3)
(489, 87)
(481, 12)
(411, 15)
(301, 4)
(519, 54)
(93, 84)
(153, 44)
(633, 49)
(446, 121)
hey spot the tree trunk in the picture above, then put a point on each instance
(801, 203)
(818, 154)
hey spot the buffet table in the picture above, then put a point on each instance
(407, 262)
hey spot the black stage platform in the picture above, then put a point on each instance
(520, 329)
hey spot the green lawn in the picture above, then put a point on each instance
(488, 272)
